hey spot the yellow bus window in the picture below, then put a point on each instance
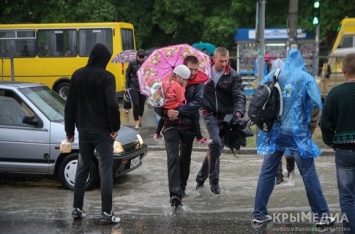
(57, 43)
(17, 43)
(89, 37)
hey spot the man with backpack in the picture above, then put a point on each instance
(266, 108)
(292, 136)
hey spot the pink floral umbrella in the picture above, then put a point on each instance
(161, 63)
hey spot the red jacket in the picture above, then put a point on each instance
(174, 93)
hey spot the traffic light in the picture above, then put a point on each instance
(316, 12)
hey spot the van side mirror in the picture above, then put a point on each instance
(329, 71)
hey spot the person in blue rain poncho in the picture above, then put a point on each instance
(290, 161)
(292, 136)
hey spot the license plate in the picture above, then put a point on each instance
(135, 162)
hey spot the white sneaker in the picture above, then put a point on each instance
(264, 219)
(325, 221)
(109, 218)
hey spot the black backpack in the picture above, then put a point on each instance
(266, 104)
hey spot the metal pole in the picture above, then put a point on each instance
(238, 58)
(260, 39)
(12, 69)
(292, 25)
(316, 56)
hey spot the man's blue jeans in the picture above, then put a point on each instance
(309, 175)
(345, 168)
(103, 143)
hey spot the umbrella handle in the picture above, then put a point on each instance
(122, 68)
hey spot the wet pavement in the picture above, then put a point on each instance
(141, 198)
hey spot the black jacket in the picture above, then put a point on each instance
(193, 96)
(131, 75)
(92, 104)
(227, 97)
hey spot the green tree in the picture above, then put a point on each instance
(164, 22)
(138, 12)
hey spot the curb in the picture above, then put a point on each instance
(325, 152)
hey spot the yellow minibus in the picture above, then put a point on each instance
(50, 53)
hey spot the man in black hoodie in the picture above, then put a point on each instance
(92, 107)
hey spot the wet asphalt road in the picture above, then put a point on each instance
(141, 200)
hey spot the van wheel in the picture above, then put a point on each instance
(63, 89)
(67, 173)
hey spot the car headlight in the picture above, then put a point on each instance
(140, 139)
(117, 147)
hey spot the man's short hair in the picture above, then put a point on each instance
(190, 59)
(141, 53)
(222, 51)
(349, 64)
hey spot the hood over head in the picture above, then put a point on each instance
(277, 64)
(99, 56)
(294, 61)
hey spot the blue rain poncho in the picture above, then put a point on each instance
(300, 96)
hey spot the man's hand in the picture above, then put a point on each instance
(312, 130)
(173, 114)
(114, 135)
(70, 138)
(238, 114)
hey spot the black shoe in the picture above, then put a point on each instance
(199, 185)
(175, 201)
(215, 188)
(279, 179)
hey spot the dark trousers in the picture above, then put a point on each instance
(138, 101)
(290, 166)
(345, 171)
(197, 125)
(178, 145)
(103, 143)
(211, 163)
(159, 126)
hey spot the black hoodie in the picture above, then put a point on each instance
(92, 104)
